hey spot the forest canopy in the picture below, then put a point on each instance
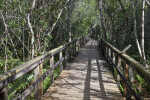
(30, 28)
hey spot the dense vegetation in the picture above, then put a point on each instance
(29, 28)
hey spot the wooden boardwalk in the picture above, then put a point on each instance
(86, 78)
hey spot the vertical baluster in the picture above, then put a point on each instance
(126, 74)
(66, 55)
(114, 61)
(83, 41)
(41, 83)
(104, 49)
(36, 76)
(51, 64)
(61, 64)
(77, 45)
(71, 52)
(109, 53)
(114, 58)
(74, 48)
(119, 67)
(4, 94)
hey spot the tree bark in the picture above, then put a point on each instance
(32, 34)
(135, 30)
(69, 20)
(102, 19)
(31, 28)
(142, 38)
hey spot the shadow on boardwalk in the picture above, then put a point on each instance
(86, 78)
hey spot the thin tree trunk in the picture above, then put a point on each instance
(102, 19)
(142, 38)
(69, 20)
(135, 29)
(32, 34)
(58, 17)
(31, 28)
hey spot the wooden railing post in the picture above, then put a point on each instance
(61, 64)
(41, 83)
(51, 64)
(125, 90)
(36, 76)
(114, 58)
(79, 42)
(77, 45)
(119, 67)
(4, 94)
(66, 53)
(109, 53)
(114, 61)
(74, 51)
(83, 40)
(71, 52)
(38, 72)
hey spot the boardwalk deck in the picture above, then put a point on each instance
(86, 78)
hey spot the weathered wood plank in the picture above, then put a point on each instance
(36, 76)
(41, 83)
(86, 78)
(61, 64)
(51, 64)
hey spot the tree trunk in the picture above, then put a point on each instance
(32, 34)
(102, 19)
(142, 38)
(135, 30)
(69, 20)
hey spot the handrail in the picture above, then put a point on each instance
(111, 53)
(34, 64)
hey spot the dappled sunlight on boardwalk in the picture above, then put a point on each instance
(86, 78)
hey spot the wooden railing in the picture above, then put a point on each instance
(126, 69)
(36, 65)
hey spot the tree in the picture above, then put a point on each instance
(102, 19)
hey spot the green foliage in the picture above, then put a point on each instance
(47, 41)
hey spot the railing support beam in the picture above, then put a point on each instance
(51, 64)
